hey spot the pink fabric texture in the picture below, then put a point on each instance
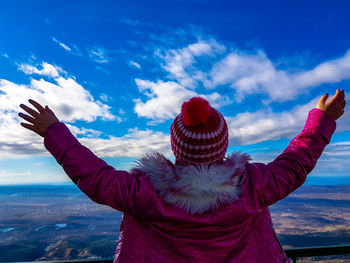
(155, 231)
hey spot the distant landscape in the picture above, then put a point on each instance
(59, 222)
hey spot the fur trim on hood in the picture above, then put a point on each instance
(195, 188)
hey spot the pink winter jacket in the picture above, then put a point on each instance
(195, 214)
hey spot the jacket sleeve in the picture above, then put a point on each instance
(288, 171)
(99, 181)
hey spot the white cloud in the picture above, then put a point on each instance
(61, 44)
(134, 144)
(181, 63)
(98, 54)
(134, 64)
(334, 160)
(204, 64)
(216, 99)
(331, 71)
(165, 99)
(74, 50)
(71, 102)
(213, 65)
(88, 133)
(30, 177)
(105, 97)
(338, 149)
(67, 98)
(255, 73)
(15, 141)
(47, 70)
(264, 125)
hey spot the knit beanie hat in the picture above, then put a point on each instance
(199, 133)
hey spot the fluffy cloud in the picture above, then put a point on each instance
(16, 142)
(210, 66)
(88, 133)
(135, 143)
(46, 70)
(255, 73)
(181, 63)
(264, 125)
(165, 99)
(67, 98)
(71, 102)
(331, 71)
(213, 65)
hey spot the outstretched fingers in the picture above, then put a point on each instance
(27, 118)
(335, 97)
(49, 110)
(335, 106)
(32, 112)
(29, 126)
(341, 99)
(338, 99)
(324, 98)
(39, 121)
(37, 105)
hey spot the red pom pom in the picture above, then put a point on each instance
(195, 111)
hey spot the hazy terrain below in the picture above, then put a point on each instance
(59, 222)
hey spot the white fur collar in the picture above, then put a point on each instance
(196, 188)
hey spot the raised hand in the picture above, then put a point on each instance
(335, 106)
(40, 120)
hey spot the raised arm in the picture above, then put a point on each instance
(40, 120)
(101, 182)
(288, 171)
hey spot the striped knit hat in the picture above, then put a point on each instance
(199, 133)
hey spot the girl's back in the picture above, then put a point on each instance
(195, 211)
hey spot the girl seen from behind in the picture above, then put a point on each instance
(205, 207)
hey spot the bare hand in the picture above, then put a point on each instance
(335, 106)
(40, 120)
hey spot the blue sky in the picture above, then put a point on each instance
(117, 73)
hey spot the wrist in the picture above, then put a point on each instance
(50, 126)
(326, 112)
